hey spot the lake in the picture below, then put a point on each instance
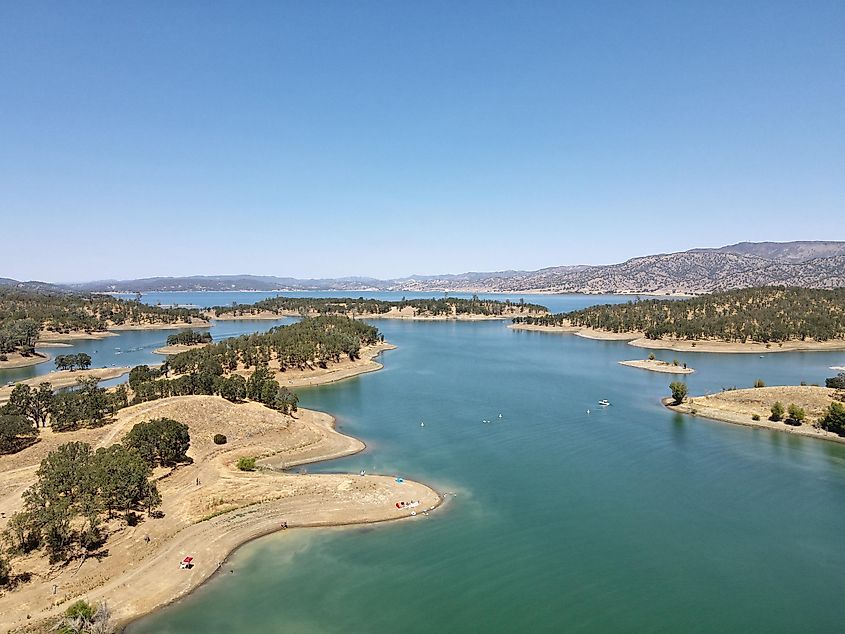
(626, 518)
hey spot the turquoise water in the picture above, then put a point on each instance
(630, 518)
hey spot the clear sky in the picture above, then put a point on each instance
(317, 139)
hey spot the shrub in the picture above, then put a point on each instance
(834, 419)
(5, 571)
(675, 362)
(679, 391)
(796, 413)
(755, 417)
(759, 383)
(246, 464)
(836, 382)
(777, 411)
(651, 356)
(219, 439)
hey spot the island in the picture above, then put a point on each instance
(443, 309)
(179, 465)
(754, 320)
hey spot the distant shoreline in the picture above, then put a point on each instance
(639, 340)
(17, 360)
(655, 365)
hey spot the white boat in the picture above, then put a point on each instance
(604, 402)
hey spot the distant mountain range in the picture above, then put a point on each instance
(814, 264)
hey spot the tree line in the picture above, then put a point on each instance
(361, 306)
(24, 313)
(771, 314)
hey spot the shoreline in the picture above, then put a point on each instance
(656, 365)
(639, 340)
(20, 361)
(393, 314)
(177, 348)
(339, 372)
(736, 407)
(211, 521)
(65, 378)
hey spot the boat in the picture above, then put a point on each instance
(604, 402)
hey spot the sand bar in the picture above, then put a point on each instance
(179, 347)
(655, 365)
(738, 406)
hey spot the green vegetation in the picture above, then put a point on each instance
(349, 306)
(759, 383)
(16, 433)
(161, 441)
(189, 338)
(74, 487)
(795, 414)
(83, 618)
(837, 382)
(219, 439)
(24, 313)
(834, 419)
(755, 417)
(770, 314)
(246, 464)
(679, 391)
(73, 362)
(777, 411)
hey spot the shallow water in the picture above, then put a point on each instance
(628, 518)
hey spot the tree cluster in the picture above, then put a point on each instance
(73, 362)
(74, 488)
(770, 314)
(189, 338)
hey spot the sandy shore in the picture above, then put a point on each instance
(639, 340)
(655, 365)
(48, 336)
(177, 348)
(738, 407)
(66, 378)
(206, 521)
(17, 360)
(587, 333)
(738, 348)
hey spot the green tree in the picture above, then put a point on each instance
(16, 433)
(161, 441)
(777, 411)
(246, 464)
(679, 391)
(834, 419)
(796, 413)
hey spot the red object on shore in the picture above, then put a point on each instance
(186, 562)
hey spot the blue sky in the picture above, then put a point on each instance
(321, 139)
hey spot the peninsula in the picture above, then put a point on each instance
(757, 320)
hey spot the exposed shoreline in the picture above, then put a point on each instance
(17, 360)
(407, 313)
(65, 378)
(655, 365)
(178, 347)
(210, 521)
(639, 340)
(738, 406)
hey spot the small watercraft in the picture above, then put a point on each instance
(604, 402)
(422, 424)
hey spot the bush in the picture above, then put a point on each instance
(836, 382)
(679, 391)
(219, 439)
(161, 441)
(755, 417)
(795, 413)
(246, 464)
(5, 571)
(759, 383)
(834, 419)
(651, 356)
(777, 411)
